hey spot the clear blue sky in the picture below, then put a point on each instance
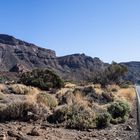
(109, 29)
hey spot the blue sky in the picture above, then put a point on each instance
(109, 29)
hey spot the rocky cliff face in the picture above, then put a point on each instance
(19, 56)
(80, 67)
(133, 71)
(16, 55)
(14, 51)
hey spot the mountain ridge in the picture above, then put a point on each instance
(16, 55)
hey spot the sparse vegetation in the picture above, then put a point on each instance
(75, 107)
(111, 75)
(75, 116)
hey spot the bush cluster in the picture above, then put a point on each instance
(113, 74)
(42, 78)
(119, 111)
(78, 117)
(74, 116)
(23, 111)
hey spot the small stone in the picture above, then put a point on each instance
(34, 132)
(128, 128)
(3, 136)
(13, 134)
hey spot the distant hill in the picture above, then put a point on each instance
(18, 56)
(133, 71)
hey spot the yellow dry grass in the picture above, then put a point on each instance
(128, 94)
(70, 85)
(113, 88)
(98, 90)
(97, 86)
(31, 99)
(47, 100)
(24, 90)
(81, 99)
(2, 87)
(62, 91)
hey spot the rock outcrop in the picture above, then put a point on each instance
(19, 56)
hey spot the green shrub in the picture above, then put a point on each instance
(74, 116)
(103, 120)
(43, 79)
(113, 74)
(47, 99)
(80, 118)
(119, 111)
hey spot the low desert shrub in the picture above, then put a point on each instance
(74, 116)
(81, 118)
(119, 111)
(47, 99)
(42, 78)
(22, 111)
(103, 120)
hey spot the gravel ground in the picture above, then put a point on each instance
(28, 131)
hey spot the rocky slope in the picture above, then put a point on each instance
(19, 56)
(133, 71)
(14, 51)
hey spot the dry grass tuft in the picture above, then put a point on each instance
(47, 100)
(113, 88)
(23, 90)
(70, 85)
(127, 94)
(97, 86)
(2, 87)
(32, 99)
